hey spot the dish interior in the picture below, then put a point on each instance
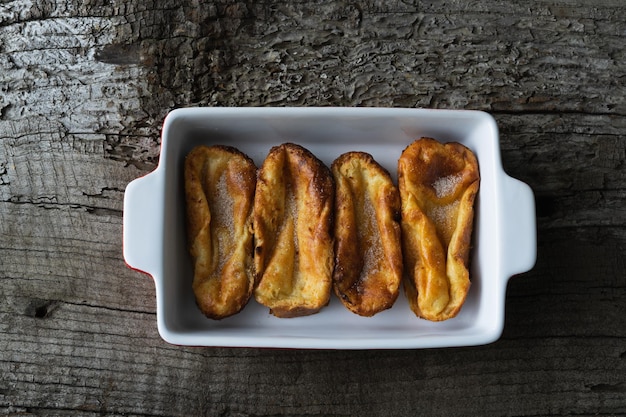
(328, 133)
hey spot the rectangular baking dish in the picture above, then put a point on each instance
(154, 238)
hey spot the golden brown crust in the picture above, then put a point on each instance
(368, 253)
(292, 232)
(438, 184)
(219, 192)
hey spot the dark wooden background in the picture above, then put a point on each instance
(84, 87)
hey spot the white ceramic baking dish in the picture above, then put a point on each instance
(504, 242)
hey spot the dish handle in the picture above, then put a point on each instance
(143, 224)
(519, 227)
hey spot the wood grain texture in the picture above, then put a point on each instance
(84, 87)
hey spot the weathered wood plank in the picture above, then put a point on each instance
(519, 58)
(90, 172)
(53, 254)
(104, 355)
(531, 57)
(110, 371)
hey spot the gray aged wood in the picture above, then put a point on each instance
(84, 87)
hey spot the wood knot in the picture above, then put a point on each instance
(119, 54)
(41, 309)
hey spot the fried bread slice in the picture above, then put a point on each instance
(368, 252)
(293, 214)
(438, 184)
(219, 193)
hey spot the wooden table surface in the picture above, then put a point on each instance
(84, 87)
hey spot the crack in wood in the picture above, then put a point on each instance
(619, 387)
(52, 205)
